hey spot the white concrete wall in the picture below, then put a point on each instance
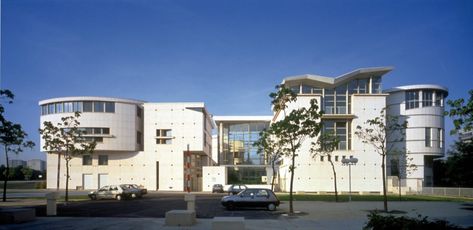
(213, 175)
(186, 123)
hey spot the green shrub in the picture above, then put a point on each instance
(388, 222)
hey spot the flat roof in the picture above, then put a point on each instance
(414, 87)
(242, 118)
(90, 98)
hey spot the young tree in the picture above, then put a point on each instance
(294, 127)
(461, 113)
(12, 137)
(401, 166)
(377, 132)
(66, 138)
(271, 149)
(324, 146)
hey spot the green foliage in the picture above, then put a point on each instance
(12, 136)
(324, 146)
(271, 149)
(462, 114)
(66, 138)
(388, 222)
(295, 126)
(376, 133)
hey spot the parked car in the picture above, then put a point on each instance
(236, 188)
(217, 188)
(137, 191)
(252, 197)
(117, 192)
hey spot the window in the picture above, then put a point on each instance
(363, 86)
(336, 158)
(321, 158)
(92, 139)
(439, 99)
(44, 110)
(311, 90)
(95, 131)
(138, 137)
(99, 106)
(428, 137)
(51, 108)
(340, 130)
(109, 107)
(59, 108)
(139, 111)
(412, 99)
(341, 100)
(87, 106)
(295, 89)
(329, 100)
(163, 136)
(86, 160)
(376, 85)
(103, 159)
(68, 107)
(440, 138)
(77, 106)
(427, 98)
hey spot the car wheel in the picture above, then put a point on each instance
(271, 207)
(230, 206)
(93, 197)
(118, 197)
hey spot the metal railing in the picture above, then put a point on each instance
(443, 191)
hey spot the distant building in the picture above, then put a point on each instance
(16, 163)
(37, 164)
(466, 136)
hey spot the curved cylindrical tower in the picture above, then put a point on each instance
(115, 124)
(422, 106)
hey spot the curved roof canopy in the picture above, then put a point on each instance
(330, 81)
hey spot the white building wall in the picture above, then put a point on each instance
(187, 125)
(418, 119)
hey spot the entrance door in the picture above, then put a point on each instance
(103, 180)
(87, 181)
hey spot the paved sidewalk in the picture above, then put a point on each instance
(313, 215)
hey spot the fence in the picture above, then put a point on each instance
(455, 192)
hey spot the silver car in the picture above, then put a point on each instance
(117, 192)
(252, 197)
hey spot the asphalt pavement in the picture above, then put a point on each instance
(311, 214)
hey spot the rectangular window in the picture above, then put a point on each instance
(44, 110)
(341, 99)
(438, 99)
(164, 136)
(363, 86)
(427, 98)
(340, 130)
(336, 158)
(77, 106)
(109, 107)
(440, 138)
(51, 108)
(428, 137)
(139, 111)
(99, 106)
(376, 85)
(87, 106)
(412, 99)
(59, 107)
(138, 137)
(329, 101)
(106, 131)
(103, 159)
(296, 89)
(353, 87)
(87, 160)
(321, 158)
(68, 107)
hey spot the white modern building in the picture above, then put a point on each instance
(181, 147)
(422, 106)
(137, 142)
(348, 101)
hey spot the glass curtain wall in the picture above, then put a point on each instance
(238, 142)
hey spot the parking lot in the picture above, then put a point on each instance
(156, 205)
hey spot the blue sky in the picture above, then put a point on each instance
(228, 54)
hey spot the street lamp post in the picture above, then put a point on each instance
(350, 161)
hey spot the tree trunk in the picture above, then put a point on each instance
(291, 207)
(7, 172)
(334, 179)
(274, 174)
(58, 170)
(385, 198)
(67, 179)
